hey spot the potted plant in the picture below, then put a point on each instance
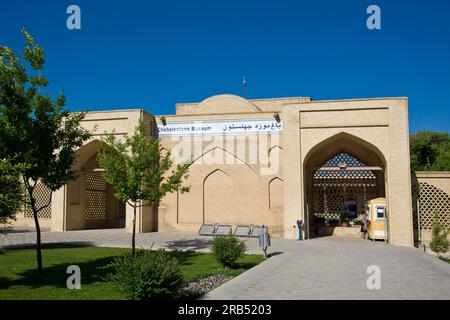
(344, 221)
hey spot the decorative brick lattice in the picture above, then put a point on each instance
(328, 201)
(122, 209)
(431, 199)
(330, 186)
(343, 159)
(42, 194)
(95, 195)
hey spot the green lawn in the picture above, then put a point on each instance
(18, 279)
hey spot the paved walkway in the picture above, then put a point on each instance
(336, 269)
(116, 238)
(327, 268)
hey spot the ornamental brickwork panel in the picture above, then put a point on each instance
(430, 199)
(42, 194)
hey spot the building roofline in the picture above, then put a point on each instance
(355, 99)
(116, 110)
(257, 99)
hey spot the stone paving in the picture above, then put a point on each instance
(331, 268)
(116, 238)
(326, 268)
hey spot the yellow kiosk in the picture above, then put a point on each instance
(376, 214)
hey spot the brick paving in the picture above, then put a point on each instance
(336, 269)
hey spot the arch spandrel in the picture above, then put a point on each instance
(346, 143)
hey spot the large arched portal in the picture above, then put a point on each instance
(91, 203)
(341, 175)
(102, 208)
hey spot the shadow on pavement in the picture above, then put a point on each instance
(188, 244)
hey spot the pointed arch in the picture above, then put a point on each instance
(218, 194)
(214, 171)
(274, 156)
(276, 193)
(275, 147)
(346, 142)
(238, 160)
(90, 199)
(86, 152)
(338, 193)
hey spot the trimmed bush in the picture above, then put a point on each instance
(227, 249)
(148, 275)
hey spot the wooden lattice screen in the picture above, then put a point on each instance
(95, 195)
(330, 186)
(328, 201)
(42, 195)
(431, 199)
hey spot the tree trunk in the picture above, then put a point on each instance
(133, 239)
(38, 228)
(38, 240)
(429, 163)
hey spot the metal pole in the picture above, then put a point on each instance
(419, 228)
(307, 222)
(386, 229)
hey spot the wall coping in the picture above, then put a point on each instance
(432, 174)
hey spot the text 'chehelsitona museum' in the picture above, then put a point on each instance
(265, 162)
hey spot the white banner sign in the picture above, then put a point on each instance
(222, 127)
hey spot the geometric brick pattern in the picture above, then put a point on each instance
(431, 199)
(328, 201)
(95, 194)
(42, 195)
(344, 159)
(330, 186)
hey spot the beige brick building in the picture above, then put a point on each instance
(256, 161)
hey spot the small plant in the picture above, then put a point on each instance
(204, 285)
(147, 275)
(227, 249)
(439, 236)
(358, 221)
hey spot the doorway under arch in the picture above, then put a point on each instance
(90, 200)
(101, 208)
(341, 175)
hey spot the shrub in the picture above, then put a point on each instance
(227, 249)
(148, 275)
(439, 242)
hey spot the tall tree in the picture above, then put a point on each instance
(35, 129)
(140, 173)
(430, 151)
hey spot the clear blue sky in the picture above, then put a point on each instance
(153, 54)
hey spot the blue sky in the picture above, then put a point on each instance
(153, 54)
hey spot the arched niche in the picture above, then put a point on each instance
(218, 204)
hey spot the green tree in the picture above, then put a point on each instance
(139, 171)
(430, 151)
(439, 236)
(35, 129)
(10, 191)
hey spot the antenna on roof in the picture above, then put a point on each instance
(244, 85)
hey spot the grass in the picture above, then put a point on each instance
(18, 279)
